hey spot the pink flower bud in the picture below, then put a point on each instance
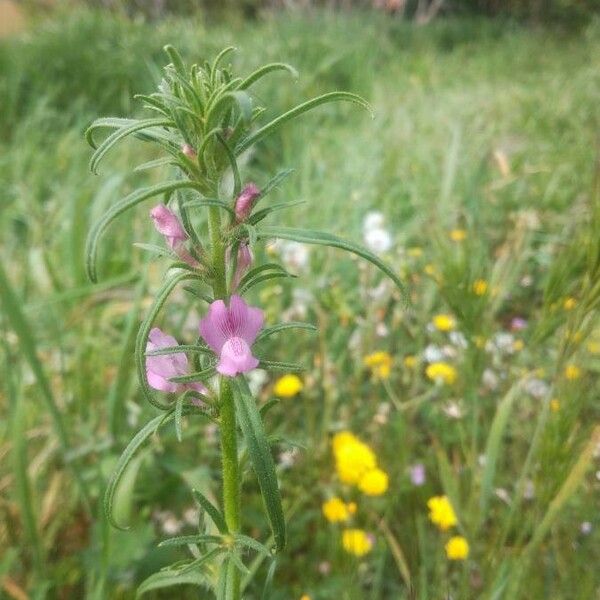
(189, 151)
(167, 223)
(244, 260)
(245, 201)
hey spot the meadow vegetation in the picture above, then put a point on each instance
(474, 409)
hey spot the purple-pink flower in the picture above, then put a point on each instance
(162, 367)
(230, 332)
(167, 223)
(244, 260)
(417, 474)
(245, 201)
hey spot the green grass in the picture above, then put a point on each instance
(483, 126)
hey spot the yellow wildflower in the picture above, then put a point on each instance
(457, 548)
(410, 361)
(357, 542)
(593, 347)
(415, 252)
(518, 345)
(305, 597)
(380, 364)
(554, 405)
(430, 270)
(441, 512)
(288, 386)
(341, 439)
(570, 303)
(374, 483)
(353, 460)
(337, 511)
(444, 322)
(458, 235)
(572, 372)
(480, 287)
(441, 371)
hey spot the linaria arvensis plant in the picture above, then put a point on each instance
(206, 118)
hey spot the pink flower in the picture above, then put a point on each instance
(167, 223)
(160, 368)
(245, 201)
(230, 331)
(189, 151)
(244, 260)
(417, 474)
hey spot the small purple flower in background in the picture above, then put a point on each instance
(160, 368)
(167, 223)
(244, 260)
(417, 474)
(230, 332)
(245, 201)
(518, 324)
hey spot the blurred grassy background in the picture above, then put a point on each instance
(486, 125)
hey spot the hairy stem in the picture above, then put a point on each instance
(229, 459)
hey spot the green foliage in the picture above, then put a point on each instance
(483, 126)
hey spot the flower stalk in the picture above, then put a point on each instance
(207, 120)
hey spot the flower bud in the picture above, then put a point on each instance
(167, 223)
(189, 151)
(245, 201)
(244, 260)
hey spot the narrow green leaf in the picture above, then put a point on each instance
(176, 59)
(18, 322)
(237, 561)
(261, 214)
(307, 236)
(266, 593)
(268, 331)
(118, 135)
(237, 182)
(211, 202)
(268, 405)
(134, 445)
(169, 578)
(214, 513)
(202, 560)
(270, 127)
(91, 247)
(260, 455)
(270, 68)
(260, 269)
(492, 449)
(251, 543)
(106, 123)
(278, 365)
(179, 349)
(183, 540)
(159, 162)
(199, 376)
(219, 58)
(274, 182)
(261, 279)
(178, 417)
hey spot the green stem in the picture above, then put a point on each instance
(231, 480)
(218, 253)
(229, 454)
